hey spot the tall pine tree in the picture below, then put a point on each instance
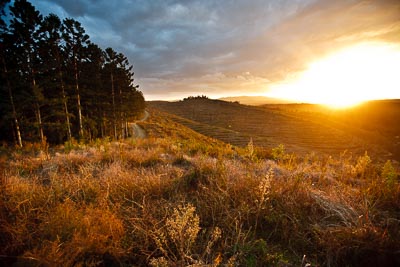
(24, 26)
(50, 49)
(55, 83)
(75, 40)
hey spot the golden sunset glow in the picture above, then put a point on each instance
(347, 77)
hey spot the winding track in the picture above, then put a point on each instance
(138, 131)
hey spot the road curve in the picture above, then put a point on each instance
(145, 116)
(138, 131)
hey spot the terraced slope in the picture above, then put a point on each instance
(226, 135)
(268, 127)
(375, 122)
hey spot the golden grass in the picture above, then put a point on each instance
(301, 127)
(180, 199)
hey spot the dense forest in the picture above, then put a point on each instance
(56, 85)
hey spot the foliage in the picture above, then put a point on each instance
(55, 82)
(278, 153)
(389, 174)
(195, 97)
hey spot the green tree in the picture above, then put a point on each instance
(111, 65)
(5, 78)
(94, 95)
(54, 82)
(126, 99)
(128, 96)
(75, 40)
(53, 68)
(24, 26)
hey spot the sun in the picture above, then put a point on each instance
(362, 72)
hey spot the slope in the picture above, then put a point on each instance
(268, 127)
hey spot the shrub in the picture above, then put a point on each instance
(389, 174)
(278, 153)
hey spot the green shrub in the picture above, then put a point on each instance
(389, 174)
(278, 153)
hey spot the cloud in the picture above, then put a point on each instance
(217, 84)
(206, 45)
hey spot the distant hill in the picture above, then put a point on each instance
(301, 128)
(255, 100)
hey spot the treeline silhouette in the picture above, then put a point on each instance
(56, 85)
(195, 97)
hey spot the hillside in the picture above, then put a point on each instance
(301, 128)
(179, 198)
(375, 122)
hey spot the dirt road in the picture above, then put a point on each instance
(138, 131)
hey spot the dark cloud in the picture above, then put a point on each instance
(205, 46)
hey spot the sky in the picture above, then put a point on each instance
(227, 48)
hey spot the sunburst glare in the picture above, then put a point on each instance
(362, 72)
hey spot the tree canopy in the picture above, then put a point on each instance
(56, 84)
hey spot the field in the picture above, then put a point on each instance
(180, 198)
(301, 128)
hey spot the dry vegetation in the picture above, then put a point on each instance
(301, 127)
(179, 198)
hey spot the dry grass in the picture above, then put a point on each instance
(180, 199)
(301, 127)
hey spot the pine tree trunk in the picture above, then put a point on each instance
(66, 108)
(36, 98)
(39, 120)
(101, 128)
(113, 104)
(14, 112)
(121, 114)
(38, 112)
(78, 99)
(64, 98)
